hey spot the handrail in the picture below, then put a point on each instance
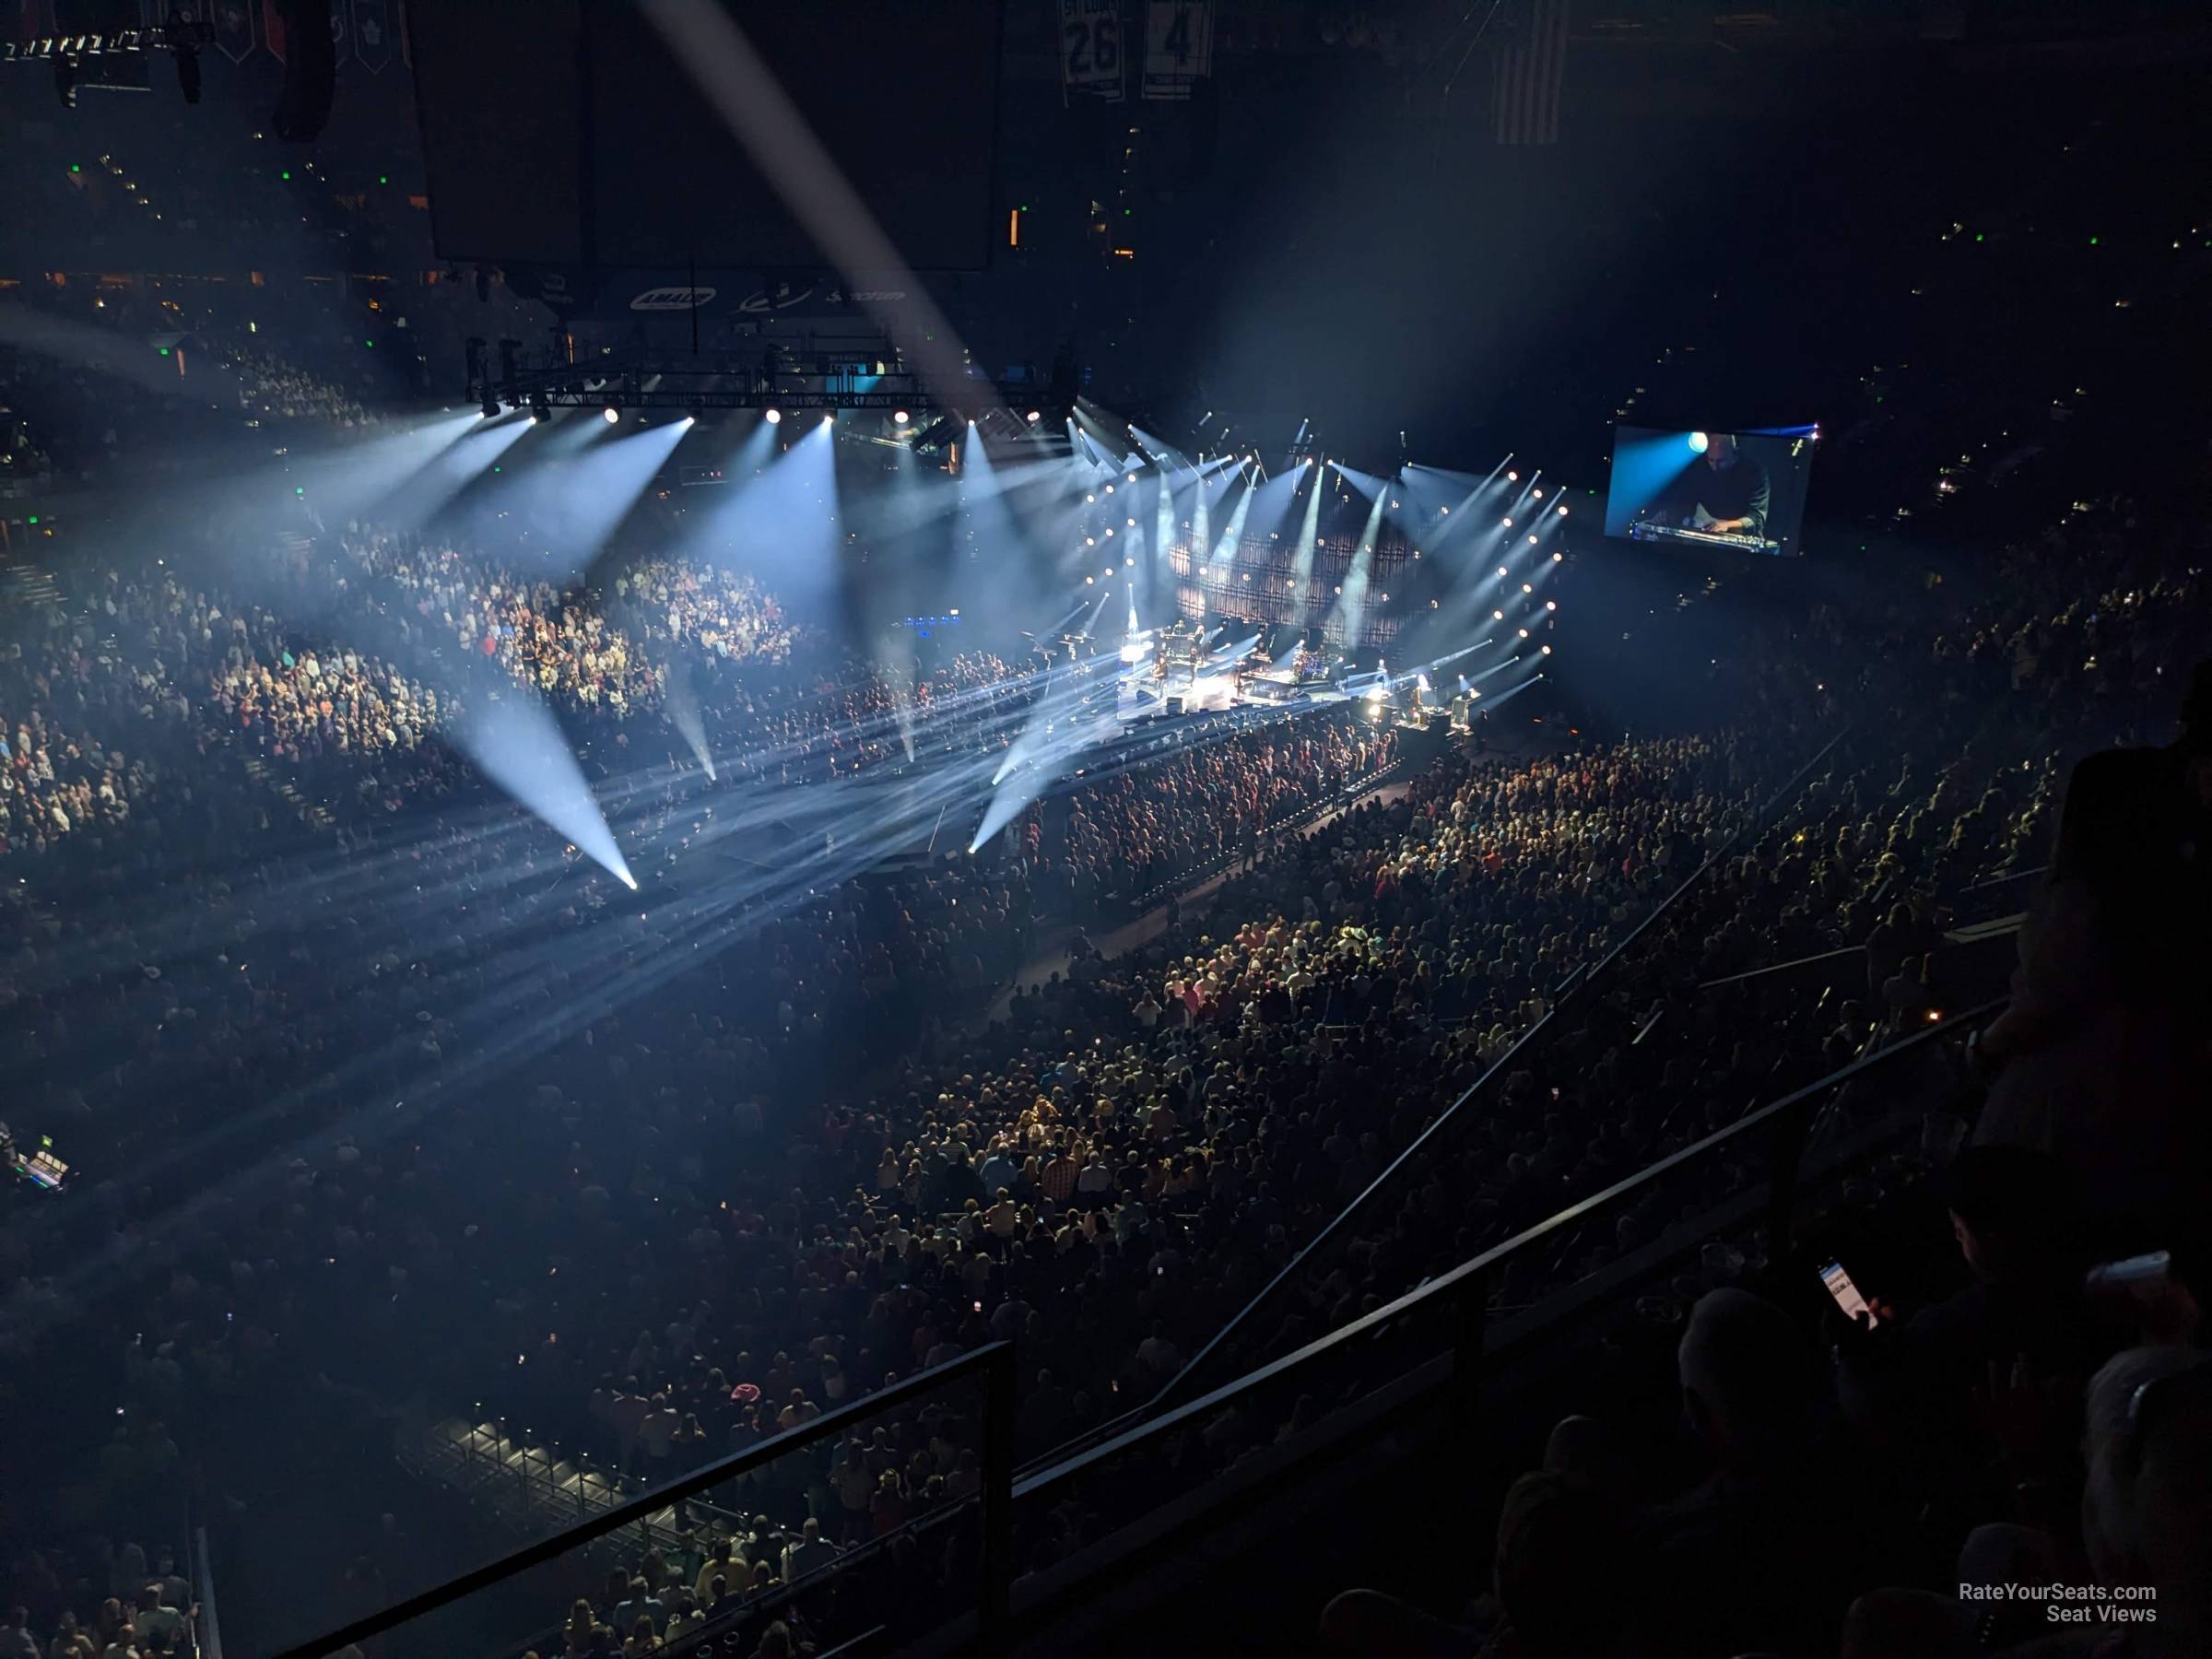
(1803, 961)
(2009, 877)
(1468, 1273)
(209, 1634)
(1451, 1113)
(994, 1360)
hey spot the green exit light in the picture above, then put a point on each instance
(34, 518)
(76, 167)
(287, 173)
(382, 179)
(162, 350)
(2092, 242)
(370, 344)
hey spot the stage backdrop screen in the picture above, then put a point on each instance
(1709, 490)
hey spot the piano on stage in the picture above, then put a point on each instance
(1651, 530)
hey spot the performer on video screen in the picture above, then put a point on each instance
(1723, 492)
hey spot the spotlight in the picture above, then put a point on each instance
(1499, 615)
(1537, 493)
(610, 414)
(1033, 417)
(1509, 524)
(773, 416)
(1557, 557)
(1551, 604)
(490, 406)
(1500, 570)
(1132, 478)
(1697, 443)
(899, 418)
(1528, 587)
(1532, 541)
(829, 416)
(1546, 650)
(540, 412)
(1525, 633)
(1562, 510)
(1512, 477)
(694, 414)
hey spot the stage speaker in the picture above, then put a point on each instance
(1176, 703)
(310, 71)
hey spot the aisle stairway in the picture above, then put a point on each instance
(307, 811)
(27, 586)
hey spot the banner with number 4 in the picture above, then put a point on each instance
(1090, 49)
(1179, 46)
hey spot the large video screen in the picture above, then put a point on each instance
(1743, 490)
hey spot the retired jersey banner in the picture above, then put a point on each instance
(1090, 49)
(1179, 47)
(272, 28)
(234, 29)
(372, 34)
(1531, 76)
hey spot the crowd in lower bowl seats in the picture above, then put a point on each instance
(272, 388)
(98, 1602)
(2004, 1447)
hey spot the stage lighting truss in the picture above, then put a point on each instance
(836, 378)
(178, 35)
(72, 57)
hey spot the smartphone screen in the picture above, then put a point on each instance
(2135, 1270)
(1847, 1294)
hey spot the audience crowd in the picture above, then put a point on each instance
(662, 1229)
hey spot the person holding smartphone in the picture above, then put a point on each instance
(2023, 1316)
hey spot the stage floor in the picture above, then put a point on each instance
(1139, 696)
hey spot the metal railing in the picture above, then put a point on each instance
(1444, 1334)
(1145, 1482)
(1795, 966)
(990, 1368)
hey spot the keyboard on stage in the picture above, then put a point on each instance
(1650, 530)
